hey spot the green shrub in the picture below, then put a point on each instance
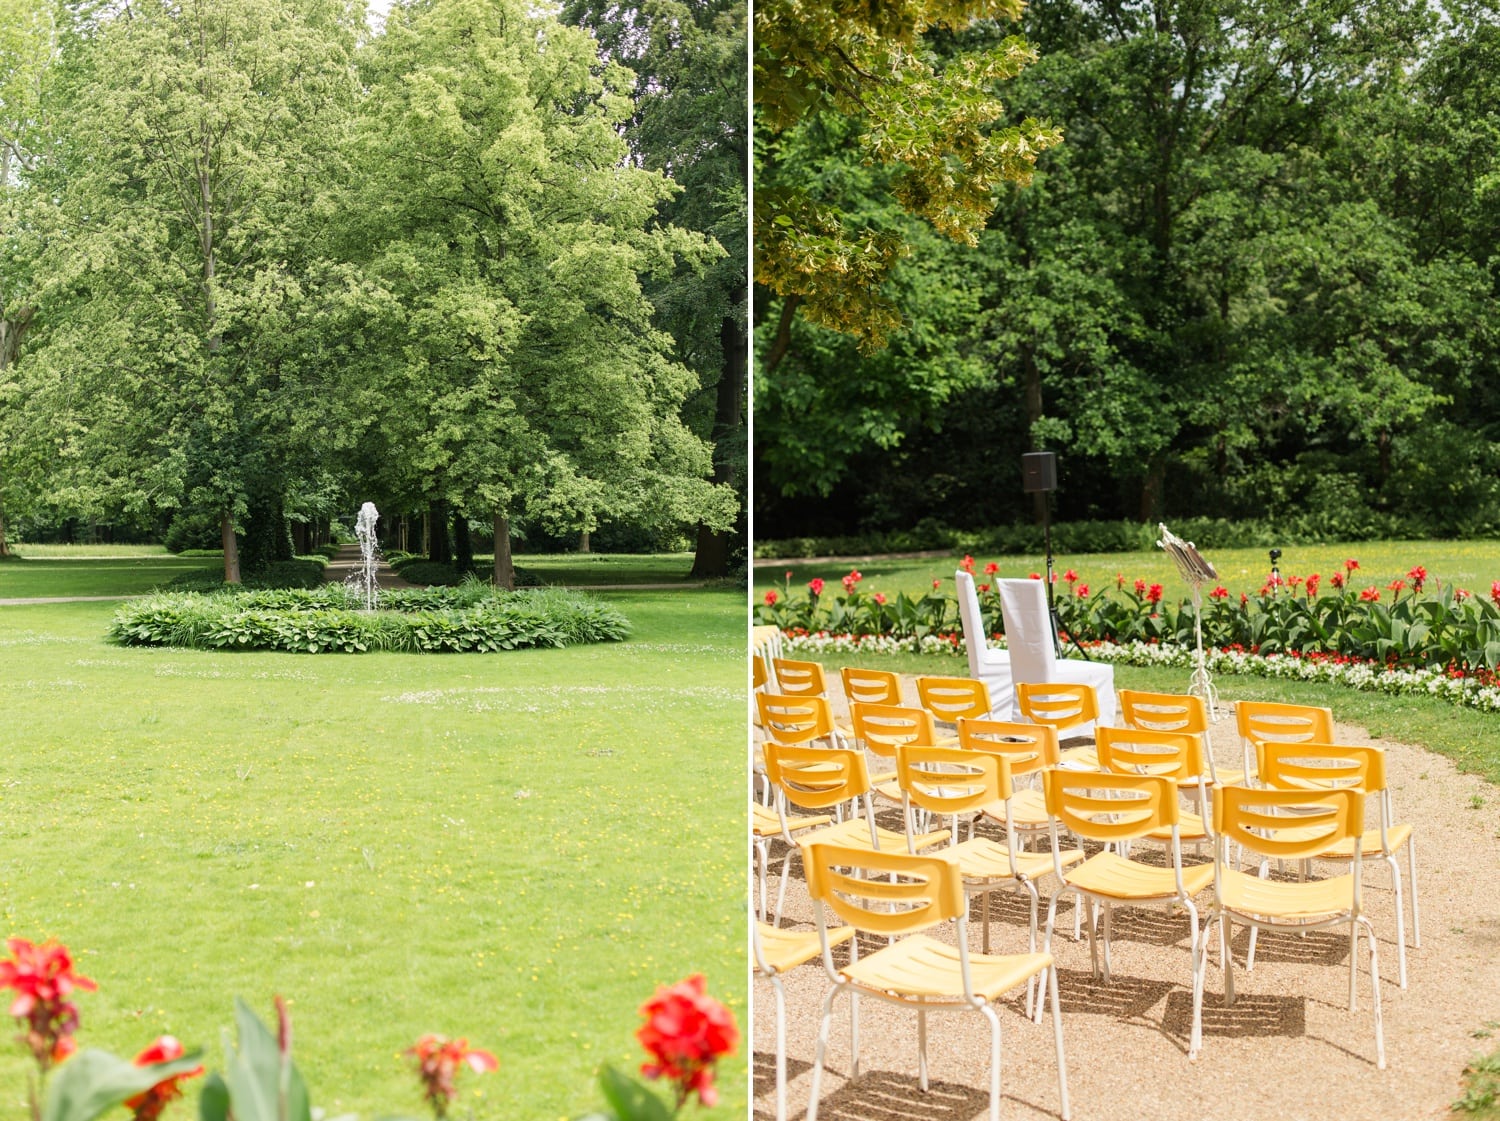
(467, 618)
(300, 572)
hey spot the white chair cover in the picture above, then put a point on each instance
(990, 666)
(1029, 637)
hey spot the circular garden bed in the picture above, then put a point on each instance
(470, 618)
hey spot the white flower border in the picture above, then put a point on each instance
(1352, 675)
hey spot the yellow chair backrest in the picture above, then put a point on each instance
(799, 679)
(871, 686)
(815, 778)
(882, 728)
(764, 636)
(1140, 751)
(757, 673)
(1026, 747)
(1163, 712)
(1057, 704)
(883, 892)
(794, 719)
(1287, 824)
(1271, 720)
(1110, 807)
(949, 698)
(1320, 766)
(951, 780)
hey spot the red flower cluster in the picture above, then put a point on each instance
(991, 568)
(854, 577)
(815, 585)
(1370, 595)
(1397, 585)
(1350, 565)
(967, 564)
(1083, 591)
(1219, 592)
(1312, 585)
(438, 1059)
(1495, 593)
(880, 598)
(686, 1032)
(1154, 593)
(1418, 577)
(1070, 576)
(1336, 579)
(148, 1104)
(42, 977)
(771, 598)
(1140, 587)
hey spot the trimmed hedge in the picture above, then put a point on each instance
(465, 619)
(417, 569)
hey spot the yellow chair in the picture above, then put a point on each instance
(799, 679)
(1324, 766)
(776, 951)
(1028, 749)
(951, 699)
(765, 644)
(1174, 755)
(1285, 723)
(881, 729)
(1174, 712)
(870, 686)
(948, 781)
(895, 894)
(1285, 825)
(1061, 706)
(796, 719)
(766, 826)
(1114, 808)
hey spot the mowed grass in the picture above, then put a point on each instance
(515, 848)
(84, 575)
(582, 570)
(1472, 565)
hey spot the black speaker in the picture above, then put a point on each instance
(1038, 471)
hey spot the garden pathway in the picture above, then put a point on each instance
(1288, 1048)
(348, 562)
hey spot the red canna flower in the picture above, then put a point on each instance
(1070, 576)
(984, 587)
(1244, 599)
(1312, 585)
(1350, 565)
(1370, 595)
(852, 579)
(1219, 592)
(1336, 579)
(42, 977)
(686, 1032)
(880, 598)
(771, 598)
(1082, 591)
(1418, 577)
(1154, 593)
(1033, 576)
(1495, 593)
(1140, 587)
(1397, 585)
(148, 1104)
(438, 1059)
(789, 576)
(815, 585)
(991, 568)
(1461, 593)
(1120, 580)
(936, 584)
(967, 564)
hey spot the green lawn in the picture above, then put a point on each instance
(585, 569)
(515, 848)
(74, 575)
(1468, 564)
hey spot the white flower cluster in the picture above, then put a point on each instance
(1369, 677)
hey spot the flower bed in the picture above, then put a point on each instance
(465, 619)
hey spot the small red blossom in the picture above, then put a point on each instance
(984, 587)
(1120, 580)
(1265, 590)
(1154, 593)
(967, 564)
(991, 568)
(1140, 587)
(148, 1104)
(1495, 593)
(1336, 579)
(1082, 591)
(1397, 585)
(1370, 595)
(1418, 577)
(771, 598)
(880, 598)
(851, 580)
(438, 1059)
(815, 585)
(1312, 586)
(1033, 576)
(1070, 576)
(1350, 565)
(1219, 592)
(1461, 593)
(42, 977)
(686, 1032)
(936, 584)
(1293, 581)
(1244, 599)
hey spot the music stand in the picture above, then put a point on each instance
(1195, 570)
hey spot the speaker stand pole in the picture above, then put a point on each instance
(1057, 629)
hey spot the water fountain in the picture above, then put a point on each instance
(369, 554)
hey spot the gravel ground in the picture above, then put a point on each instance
(1289, 1048)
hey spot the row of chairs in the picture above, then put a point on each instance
(1308, 802)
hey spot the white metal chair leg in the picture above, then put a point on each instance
(780, 1047)
(1411, 868)
(1375, 990)
(1400, 920)
(821, 1054)
(922, 1049)
(989, 1014)
(1062, 1063)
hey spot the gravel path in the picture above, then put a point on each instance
(1288, 1049)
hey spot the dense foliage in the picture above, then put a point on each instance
(328, 620)
(1255, 280)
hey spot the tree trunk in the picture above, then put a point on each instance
(463, 546)
(4, 545)
(1151, 490)
(1031, 388)
(439, 548)
(711, 560)
(505, 570)
(231, 548)
(583, 541)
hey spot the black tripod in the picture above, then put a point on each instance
(1039, 475)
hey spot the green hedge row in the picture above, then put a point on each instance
(1091, 537)
(299, 572)
(325, 620)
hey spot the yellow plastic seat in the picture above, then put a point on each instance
(765, 644)
(948, 781)
(1061, 706)
(777, 951)
(799, 679)
(1028, 749)
(870, 686)
(1176, 755)
(1325, 766)
(1285, 825)
(883, 728)
(1174, 712)
(900, 895)
(950, 699)
(796, 719)
(1281, 723)
(1115, 808)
